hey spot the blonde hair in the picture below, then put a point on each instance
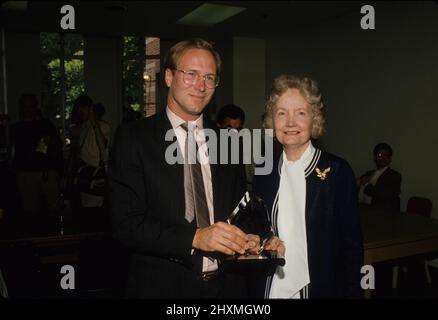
(176, 52)
(309, 88)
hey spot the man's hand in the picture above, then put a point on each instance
(253, 245)
(221, 237)
(364, 180)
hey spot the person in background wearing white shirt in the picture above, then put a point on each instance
(90, 142)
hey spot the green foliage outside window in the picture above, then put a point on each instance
(74, 81)
(51, 50)
(133, 68)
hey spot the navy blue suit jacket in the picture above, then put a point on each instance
(386, 193)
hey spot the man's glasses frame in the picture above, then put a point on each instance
(190, 77)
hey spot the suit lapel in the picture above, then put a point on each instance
(313, 193)
(383, 176)
(175, 171)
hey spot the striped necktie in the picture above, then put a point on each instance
(195, 188)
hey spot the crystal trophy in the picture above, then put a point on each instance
(252, 217)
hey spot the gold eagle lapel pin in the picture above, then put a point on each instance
(322, 174)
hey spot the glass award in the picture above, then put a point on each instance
(252, 217)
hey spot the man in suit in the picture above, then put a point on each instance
(173, 254)
(381, 187)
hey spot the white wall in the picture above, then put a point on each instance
(249, 74)
(224, 92)
(379, 85)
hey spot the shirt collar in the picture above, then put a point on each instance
(305, 158)
(381, 170)
(176, 121)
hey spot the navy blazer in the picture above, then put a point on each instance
(334, 236)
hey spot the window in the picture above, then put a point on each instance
(141, 67)
(62, 71)
(151, 72)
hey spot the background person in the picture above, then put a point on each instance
(231, 116)
(381, 187)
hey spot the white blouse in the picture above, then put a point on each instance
(291, 221)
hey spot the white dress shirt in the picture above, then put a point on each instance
(181, 134)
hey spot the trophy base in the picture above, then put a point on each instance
(250, 257)
(262, 264)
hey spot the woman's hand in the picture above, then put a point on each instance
(275, 244)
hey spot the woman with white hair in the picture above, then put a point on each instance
(312, 198)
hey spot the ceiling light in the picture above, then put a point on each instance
(209, 14)
(15, 5)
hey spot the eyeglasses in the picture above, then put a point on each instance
(191, 77)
